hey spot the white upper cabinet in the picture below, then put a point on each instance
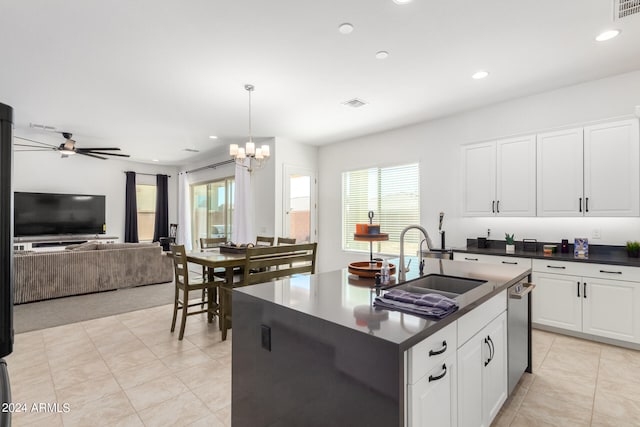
(516, 176)
(611, 169)
(499, 178)
(591, 171)
(479, 181)
(560, 173)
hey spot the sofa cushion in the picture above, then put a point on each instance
(110, 246)
(86, 246)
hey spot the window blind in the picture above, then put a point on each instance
(393, 194)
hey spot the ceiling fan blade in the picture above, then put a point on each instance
(105, 154)
(34, 146)
(37, 149)
(99, 149)
(91, 155)
(37, 142)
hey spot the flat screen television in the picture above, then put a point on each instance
(38, 214)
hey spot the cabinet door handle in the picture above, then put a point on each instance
(437, 352)
(584, 290)
(586, 204)
(610, 272)
(580, 204)
(578, 289)
(561, 267)
(498, 206)
(486, 341)
(470, 259)
(508, 262)
(493, 348)
(439, 377)
(493, 206)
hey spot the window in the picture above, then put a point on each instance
(146, 201)
(393, 194)
(212, 209)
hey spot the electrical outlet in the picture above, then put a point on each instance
(595, 234)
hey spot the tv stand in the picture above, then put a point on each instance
(57, 242)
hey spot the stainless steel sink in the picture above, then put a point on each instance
(448, 286)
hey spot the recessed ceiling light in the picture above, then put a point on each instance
(155, 160)
(383, 54)
(213, 137)
(345, 28)
(607, 35)
(480, 74)
(402, 1)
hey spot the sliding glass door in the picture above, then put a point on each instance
(212, 209)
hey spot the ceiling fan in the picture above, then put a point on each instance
(67, 148)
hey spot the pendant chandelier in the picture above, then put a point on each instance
(257, 155)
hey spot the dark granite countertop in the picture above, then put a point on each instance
(599, 254)
(342, 298)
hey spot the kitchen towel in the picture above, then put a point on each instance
(430, 305)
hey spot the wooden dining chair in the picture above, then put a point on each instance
(286, 241)
(184, 286)
(210, 243)
(264, 241)
(287, 260)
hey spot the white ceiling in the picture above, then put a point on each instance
(156, 76)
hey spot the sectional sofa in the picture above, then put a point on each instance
(86, 268)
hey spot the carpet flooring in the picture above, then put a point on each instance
(62, 311)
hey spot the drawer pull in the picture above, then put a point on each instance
(561, 267)
(584, 290)
(610, 272)
(437, 352)
(439, 377)
(508, 262)
(578, 289)
(471, 259)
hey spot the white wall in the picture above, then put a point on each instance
(436, 146)
(48, 173)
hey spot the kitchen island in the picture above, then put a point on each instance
(313, 351)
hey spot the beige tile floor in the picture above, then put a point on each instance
(129, 370)
(123, 370)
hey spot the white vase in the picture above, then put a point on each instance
(511, 249)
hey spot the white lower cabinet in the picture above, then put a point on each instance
(588, 302)
(432, 400)
(431, 380)
(482, 374)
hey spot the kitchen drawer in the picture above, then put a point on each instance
(492, 259)
(431, 352)
(476, 319)
(600, 271)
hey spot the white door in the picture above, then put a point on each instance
(471, 358)
(299, 197)
(432, 400)
(494, 378)
(612, 169)
(557, 301)
(611, 308)
(479, 179)
(559, 173)
(516, 176)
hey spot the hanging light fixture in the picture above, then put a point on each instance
(257, 155)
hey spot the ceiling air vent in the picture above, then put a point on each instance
(191, 150)
(625, 8)
(355, 103)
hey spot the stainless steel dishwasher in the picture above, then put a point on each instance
(519, 331)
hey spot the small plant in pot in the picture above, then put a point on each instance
(633, 249)
(511, 246)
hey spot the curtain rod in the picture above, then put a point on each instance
(148, 174)
(212, 166)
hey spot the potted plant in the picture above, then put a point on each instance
(510, 247)
(633, 249)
